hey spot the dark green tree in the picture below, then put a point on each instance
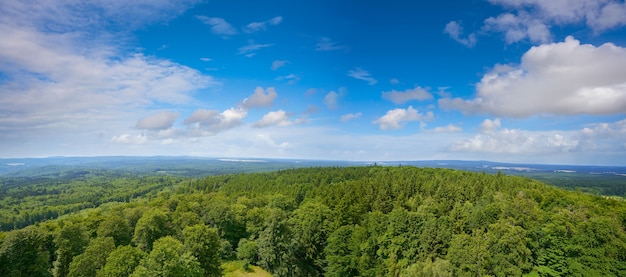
(23, 254)
(93, 259)
(117, 228)
(70, 242)
(152, 225)
(204, 244)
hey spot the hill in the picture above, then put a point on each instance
(339, 221)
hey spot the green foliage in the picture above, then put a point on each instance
(154, 224)
(121, 262)
(93, 259)
(70, 242)
(248, 252)
(204, 244)
(356, 221)
(117, 228)
(23, 253)
(168, 259)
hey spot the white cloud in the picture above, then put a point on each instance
(129, 139)
(213, 121)
(279, 63)
(292, 78)
(563, 78)
(489, 126)
(455, 31)
(206, 59)
(394, 81)
(250, 49)
(262, 26)
(401, 97)
(350, 116)
(219, 26)
(91, 16)
(260, 98)
(326, 44)
(52, 79)
(331, 100)
(450, 128)
(277, 118)
(276, 20)
(519, 27)
(597, 14)
(159, 121)
(515, 141)
(395, 119)
(359, 73)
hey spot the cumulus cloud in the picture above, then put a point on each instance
(213, 121)
(326, 44)
(260, 98)
(450, 128)
(359, 73)
(158, 121)
(278, 64)
(262, 26)
(519, 27)
(489, 126)
(401, 97)
(395, 119)
(563, 78)
(455, 31)
(219, 26)
(277, 118)
(331, 100)
(350, 116)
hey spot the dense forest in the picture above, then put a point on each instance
(342, 221)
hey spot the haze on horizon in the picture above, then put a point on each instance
(527, 81)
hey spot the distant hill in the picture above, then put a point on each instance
(604, 180)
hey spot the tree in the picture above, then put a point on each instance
(22, 254)
(121, 262)
(469, 253)
(152, 225)
(71, 241)
(204, 244)
(310, 226)
(248, 252)
(93, 259)
(339, 253)
(117, 228)
(273, 243)
(168, 259)
(438, 268)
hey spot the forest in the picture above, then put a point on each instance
(318, 221)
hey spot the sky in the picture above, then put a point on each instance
(523, 81)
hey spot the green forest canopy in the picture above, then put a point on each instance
(352, 221)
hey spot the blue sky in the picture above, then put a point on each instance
(504, 80)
